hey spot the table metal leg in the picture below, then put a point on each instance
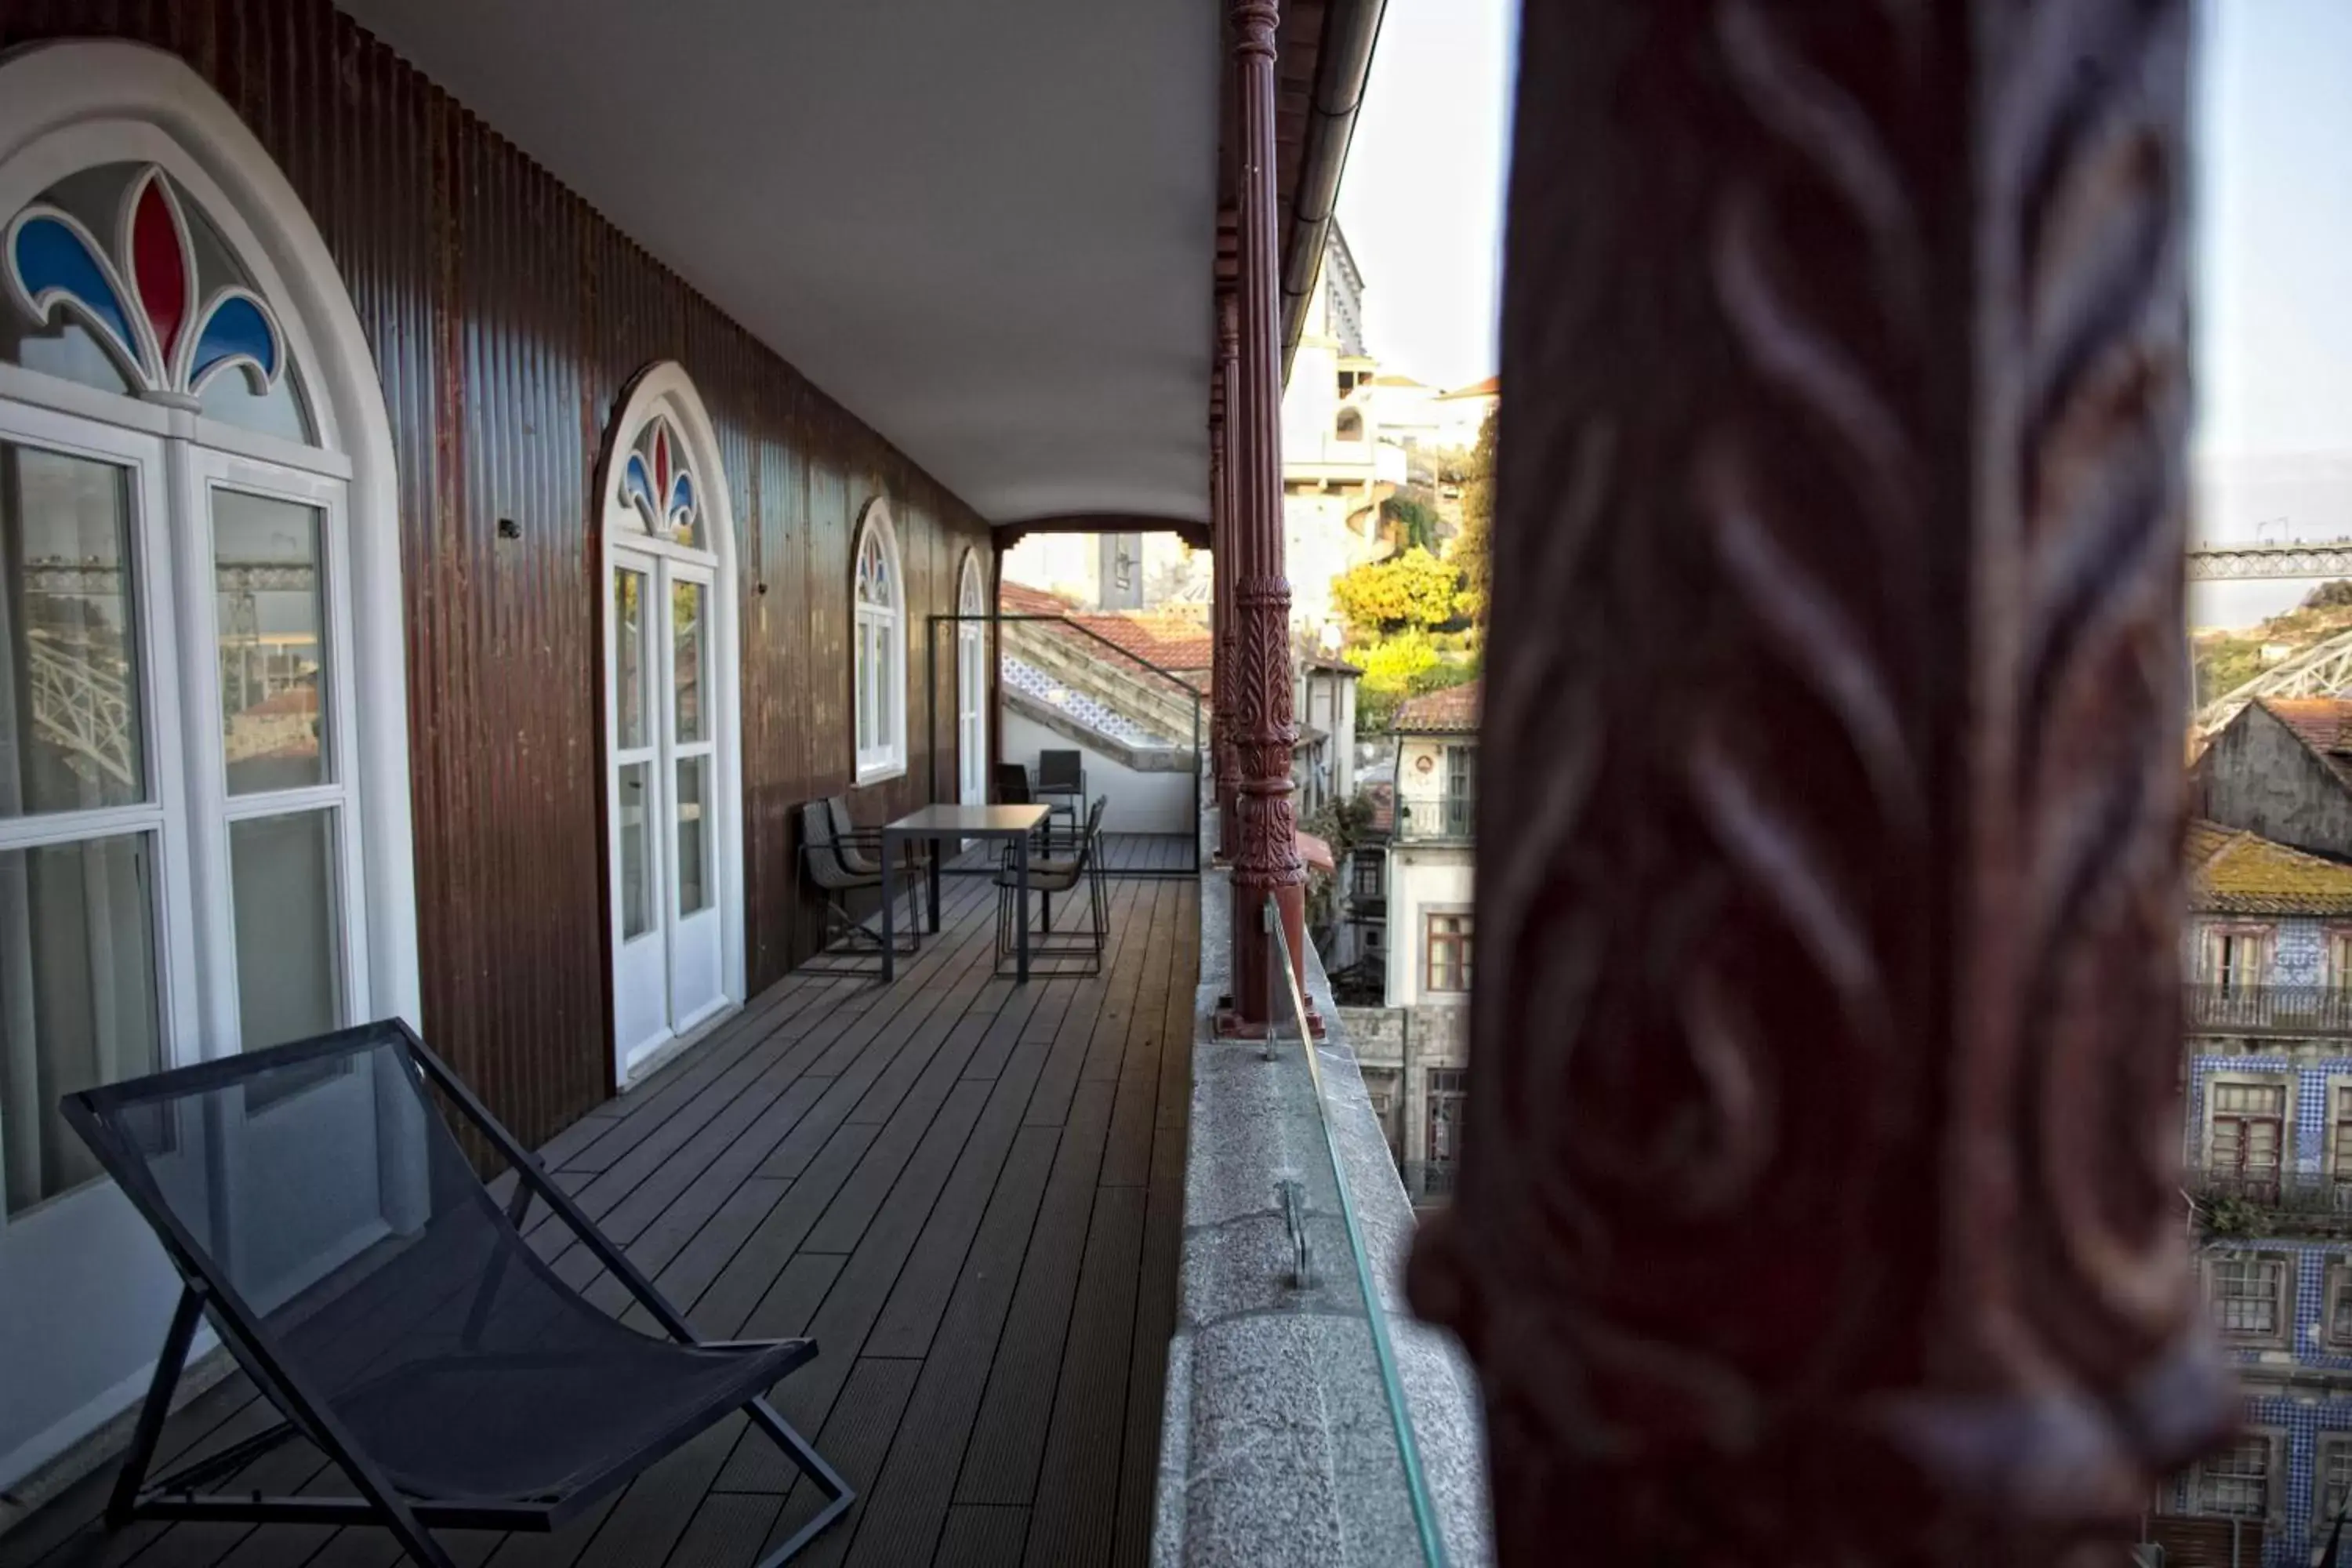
(890, 897)
(938, 849)
(1021, 882)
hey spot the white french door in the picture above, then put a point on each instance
(663, 783)
(972, 688)
(178, 854)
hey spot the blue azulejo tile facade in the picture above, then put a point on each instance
(2306, 1151)
(2301, 1385)
(2298, 948)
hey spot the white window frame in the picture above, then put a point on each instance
(202, 473)
(74, 104)
(664, 391)
(884, 755)
(971, 666)
(2240, 1077)
(163, 816)
(2282, 1336)
(2275, 1478)
(2325, 1447)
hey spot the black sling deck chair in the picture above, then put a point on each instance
(321, 1212)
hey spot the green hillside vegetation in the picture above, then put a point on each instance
(2227, 660)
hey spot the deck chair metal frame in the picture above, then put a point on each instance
(205, 1290)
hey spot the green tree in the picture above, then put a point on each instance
(1414, 522)
(1411, 590)
(1474, 549)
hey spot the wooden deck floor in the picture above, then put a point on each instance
(969, 1193)
(1125, 854)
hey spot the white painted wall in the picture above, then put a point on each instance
(1421, 881)
(1140, 802)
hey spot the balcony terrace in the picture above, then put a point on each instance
(2283, 1011)
(970, 1193)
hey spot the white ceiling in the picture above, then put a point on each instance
(987, 227)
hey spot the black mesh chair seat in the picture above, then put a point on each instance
(525, 1427)
(322, 1212)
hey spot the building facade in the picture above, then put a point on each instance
(1414, 886)
(1338, 464)
(2267, 1145)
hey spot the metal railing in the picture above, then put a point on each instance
(1442, 813)
(1337, 1284)
(996, 621)
(2231, 1009)
(2316, 1197)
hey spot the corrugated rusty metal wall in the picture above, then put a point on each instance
(505, 318)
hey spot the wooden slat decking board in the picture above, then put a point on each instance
(969, 1192)
(981, 1537)
(1078, 1485)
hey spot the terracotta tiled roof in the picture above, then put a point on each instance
(1020, 599)
(1174, 639)
(1170, 639)
(1315, 851)
(2324, 723)
(1490, 387)
(1453, 711)
(2237, 873)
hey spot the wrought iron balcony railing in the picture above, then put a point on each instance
(2229, 1199)
(2215, 1009)
(1445, 813)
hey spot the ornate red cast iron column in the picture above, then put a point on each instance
(1817, 1201)
(1221, 501)
(1265, 856)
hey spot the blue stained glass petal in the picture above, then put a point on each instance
(681, 494)
(237, 327)
(635, 487)
(51, 256)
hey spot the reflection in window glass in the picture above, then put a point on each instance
(270, 622)
(693, 835)
(686, 633)
(629, 660)
(70, 715)
(637, 879)
(289, 968)
(77, 997)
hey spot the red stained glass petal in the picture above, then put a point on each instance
(661, 466)
(159, 268)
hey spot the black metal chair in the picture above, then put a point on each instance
(1062, 783)
(836, 876)
(860, 848)
(320, 1211)
(1051, 952)
(1013, 789)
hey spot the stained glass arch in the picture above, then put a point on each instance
(116, 275)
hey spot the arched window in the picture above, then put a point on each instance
(203, 773)
(1350, 426)
(880, 598)
(673, 785)
(972, 683)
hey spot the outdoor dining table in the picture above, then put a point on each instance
(946, 824)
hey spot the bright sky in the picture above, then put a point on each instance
(1423, 208)
(1422, 197)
